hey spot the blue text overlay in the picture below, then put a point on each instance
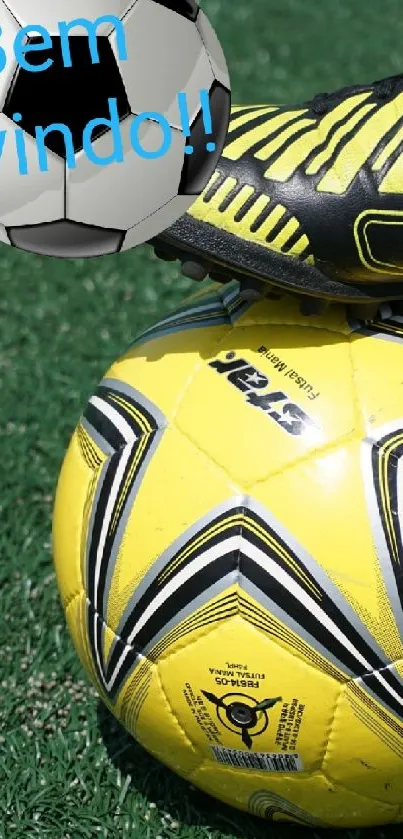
(23, 47)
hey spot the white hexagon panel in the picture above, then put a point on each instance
(113, 115)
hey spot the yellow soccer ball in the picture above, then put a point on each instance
(228, 547)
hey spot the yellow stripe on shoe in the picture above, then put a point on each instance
(307, 198)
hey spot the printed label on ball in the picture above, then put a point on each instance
(261, 761)
(257, 391)
(281, 366)
(234, 706)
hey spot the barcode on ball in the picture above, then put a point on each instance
(266, 761)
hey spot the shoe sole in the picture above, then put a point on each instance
(203, 251)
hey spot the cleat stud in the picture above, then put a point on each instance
(219, 277)
(194, 270)
(367, 311)
(311, 306)
(161, 254)
(386, 311)
(252, 289)
(272, 293)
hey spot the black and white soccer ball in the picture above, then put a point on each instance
(90, 210)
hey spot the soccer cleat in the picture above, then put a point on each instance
(306, 198)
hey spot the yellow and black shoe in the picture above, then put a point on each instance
(306, 198)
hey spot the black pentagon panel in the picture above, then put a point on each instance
(66, 239)
(69, 95)
(185, 8)
(199, 166)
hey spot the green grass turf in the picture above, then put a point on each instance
(65, 771)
